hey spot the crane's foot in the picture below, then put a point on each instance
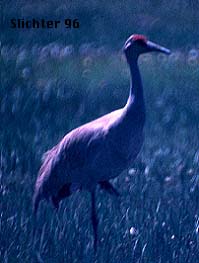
(94, 219)
(106, 185)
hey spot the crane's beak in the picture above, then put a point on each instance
(154, 47)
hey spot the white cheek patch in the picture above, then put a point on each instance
(127, 45)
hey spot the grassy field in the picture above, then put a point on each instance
(45, 92)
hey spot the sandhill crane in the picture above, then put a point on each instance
(100, 150)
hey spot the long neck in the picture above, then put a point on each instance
(136, 97)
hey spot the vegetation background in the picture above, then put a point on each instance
(55, 80)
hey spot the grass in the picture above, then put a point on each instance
(159, 200)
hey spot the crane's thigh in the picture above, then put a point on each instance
(62, 193)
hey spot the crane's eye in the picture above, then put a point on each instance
(141, 42)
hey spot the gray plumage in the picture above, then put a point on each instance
(94, 152)
(101, 149)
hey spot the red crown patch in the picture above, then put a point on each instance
(138, 37)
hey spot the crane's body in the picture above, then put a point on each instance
(108, 143)
(101, 149)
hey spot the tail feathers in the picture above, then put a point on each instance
(36, 201)
(44, 183)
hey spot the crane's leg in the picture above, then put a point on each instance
(63, 192)
(106, 185)
(94, 218)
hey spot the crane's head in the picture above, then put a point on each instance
(139, 44)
